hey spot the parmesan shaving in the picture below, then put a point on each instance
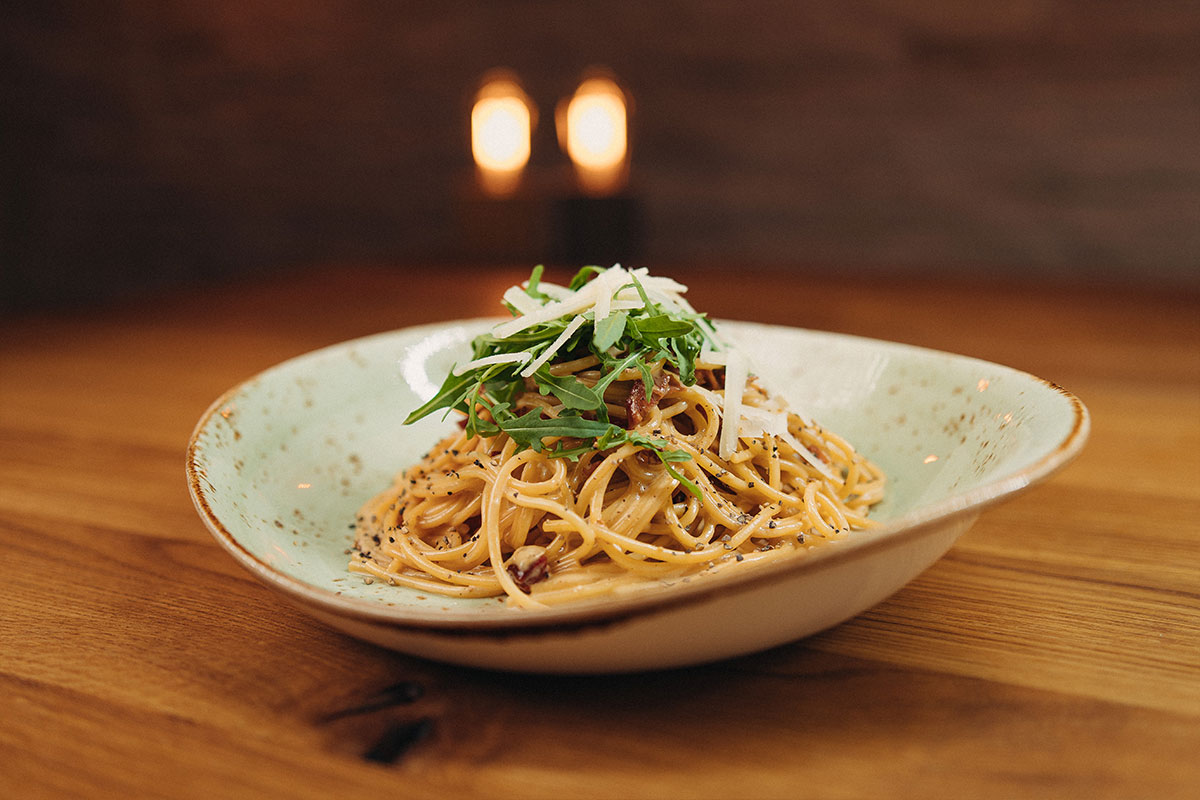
(553, 290)
(499, 358)
(611, 290)
(577, 303)
(522, 302)
(604, 296)
(757, 421)
(806, 454)
(567, 333)
(735, 386)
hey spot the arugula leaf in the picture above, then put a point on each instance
(609, 330)
(530, 428)
(661, 326)
(659, 447)
(570, 390)
(583, 276)
(684, 481)
(449, 395)
(627, 339)
(641, 290)
(614, 370)
(531, 288)
(686, 350)
(479, 426)
(647, 377)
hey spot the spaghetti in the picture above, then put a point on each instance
(606, 469)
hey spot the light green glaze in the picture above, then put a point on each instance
(284, 461)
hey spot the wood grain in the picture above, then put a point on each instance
(1054, 652)
(147, 143)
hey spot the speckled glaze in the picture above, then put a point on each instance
(279, 465)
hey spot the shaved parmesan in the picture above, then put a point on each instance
(549, 352)
(604, 296)
(611, 290)
(522, 302)
(735, 386)
(577, 303)
(499, 358)
(806, 454)
(554, 290)
(657, 282)
(757, 421)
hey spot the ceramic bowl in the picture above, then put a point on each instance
(279, 465)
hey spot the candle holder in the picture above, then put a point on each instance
(597, 230)
(509, 212)
(600, 220)
(500, 217)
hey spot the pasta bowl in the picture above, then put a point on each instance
(279, 465)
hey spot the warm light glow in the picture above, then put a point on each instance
(597, 135)
(596, 129)
(501, 126)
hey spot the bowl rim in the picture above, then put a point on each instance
(917, 523)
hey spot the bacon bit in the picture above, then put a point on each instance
(713, 379)
(636, 404)
(527, 566)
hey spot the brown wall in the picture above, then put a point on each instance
(147, 142)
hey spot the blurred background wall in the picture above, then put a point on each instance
(153, 142)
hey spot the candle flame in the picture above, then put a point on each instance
(501, 126)
(596, 133)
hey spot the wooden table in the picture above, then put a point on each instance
(1054, 652)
